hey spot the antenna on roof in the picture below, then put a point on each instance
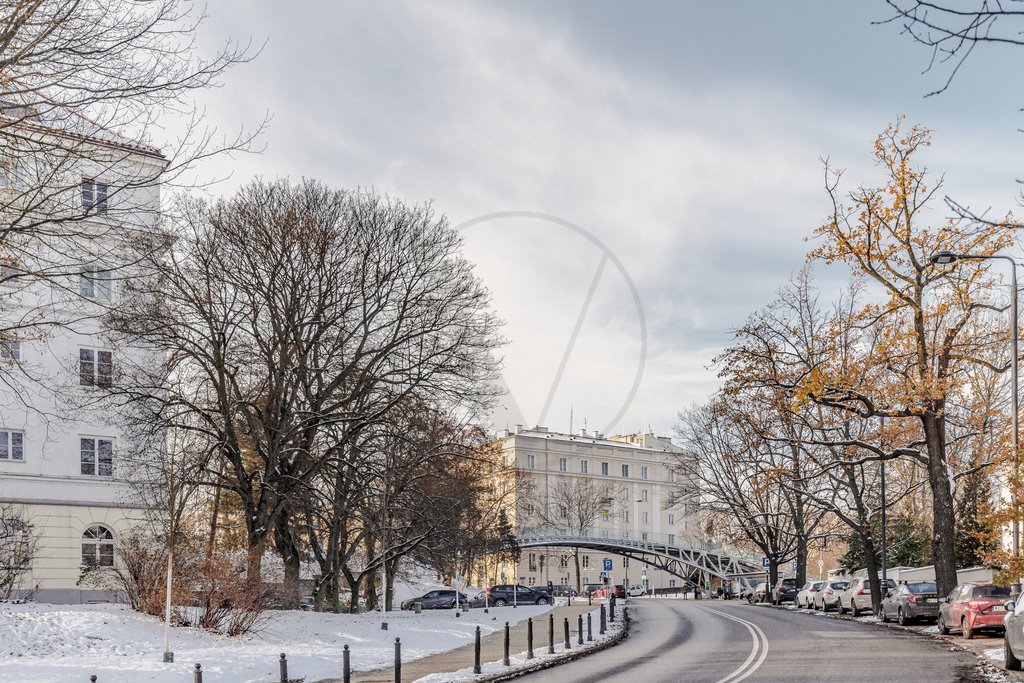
(570, 418)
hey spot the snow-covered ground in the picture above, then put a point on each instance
(56, 643)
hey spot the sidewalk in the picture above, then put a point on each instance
(491, 647)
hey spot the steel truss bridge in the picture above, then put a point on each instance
(686, 557)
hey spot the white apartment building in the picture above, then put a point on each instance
(631, 476)
(59, 462)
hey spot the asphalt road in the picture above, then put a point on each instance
(712, 641)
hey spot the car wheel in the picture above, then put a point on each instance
(840, 608)
(542, 601)
(1010, 660)
(940, 623)
(966, 629)
(500, 602)
(901, 618)
(853, 607)
(882, 615)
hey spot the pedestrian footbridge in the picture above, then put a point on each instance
(686, 557)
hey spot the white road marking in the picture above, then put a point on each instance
(758, 649)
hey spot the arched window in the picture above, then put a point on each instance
(98, 547)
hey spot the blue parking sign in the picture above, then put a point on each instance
(607, 564)
(765, 563)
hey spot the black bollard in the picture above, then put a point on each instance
(508, 642)
(198, 674)
(284, 669)
(611, 609)
(604, 620)
(579, 629)
(590, 626)
(92, 679)
(529, 638)
(398, 660)
(566, 633)
(346, 666)
(590, 599)
(476, 652)
(551, 634)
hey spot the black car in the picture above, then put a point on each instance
(507, 594)
(785, 591)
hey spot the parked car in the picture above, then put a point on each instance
(1013, 642)
(593, 588)
(636, 591)
(619, 591)
(805, 598)
(784, 591)
(480, 600)
(508, 594)
(911, 600)
(829, 595)
(307, 604)
(856, 597)
(562, 590)
(439, 599)
(973, 607)
(759, 594)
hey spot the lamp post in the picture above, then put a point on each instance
(945, 258)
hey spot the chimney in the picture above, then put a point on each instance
(597, 434)
(519, 428)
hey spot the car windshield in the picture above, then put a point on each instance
(789, 583)
(840, 585)
(921, 587)
(991, 592)
(817, 585)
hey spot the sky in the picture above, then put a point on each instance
(632, 180)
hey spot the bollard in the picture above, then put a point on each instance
(284, 669)
(579, 629)
(398, 660)
(551, 634)
(198, 674)
(603, 621)
(346, 666)
(417, 607)
(508, 642)
(566, 633)
(476, 652)
(92, 679)
(590, 599)
(529, 638)
(590, 627)
(611, 610)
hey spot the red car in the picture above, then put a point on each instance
(973, 607)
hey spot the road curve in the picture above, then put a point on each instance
(710, 641)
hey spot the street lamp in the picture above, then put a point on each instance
(944, 258)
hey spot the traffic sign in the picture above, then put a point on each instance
(821, 564)
(765, 562)
(607, 564)
(643, 573)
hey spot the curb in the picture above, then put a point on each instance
(564, 658)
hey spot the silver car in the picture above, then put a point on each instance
(805, 598)
(828, 596)
(857, 596)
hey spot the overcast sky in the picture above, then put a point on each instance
(682, 141)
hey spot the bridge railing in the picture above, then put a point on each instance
(631, 536)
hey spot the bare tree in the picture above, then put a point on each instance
(18, 547)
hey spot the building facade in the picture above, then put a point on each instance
(60, 479)
(613, 487)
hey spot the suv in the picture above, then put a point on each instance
(785, 591)
(507, 594)
(856, 597)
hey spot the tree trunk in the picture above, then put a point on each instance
(871, 565)
(576, 560)
(943, 510)
(284, 541)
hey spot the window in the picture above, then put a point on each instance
(532, 581)
(563, 561)
(671, 539)
(586, 561)
(625, 471)
(643, 472)
(531, 462)
(643, 517)
(563, 487)
(563, 464)
(10, 350)
(583, 467)
(625, 563)
(95, 283)
(671, 518)
(627, 516)
(97, 457)
(95, 368)
(604, 469)
(94, 195)
(533, 562)
(671, 583)
(529, 509)
(643, 535)
(12, 445)
(643, 495)
(604, 514)
(671, 474)
(563, 512)
(12, 175)
(98, 547)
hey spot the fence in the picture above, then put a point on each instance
(605, 616)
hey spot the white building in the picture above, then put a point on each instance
(59, 464)
(628, 480)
